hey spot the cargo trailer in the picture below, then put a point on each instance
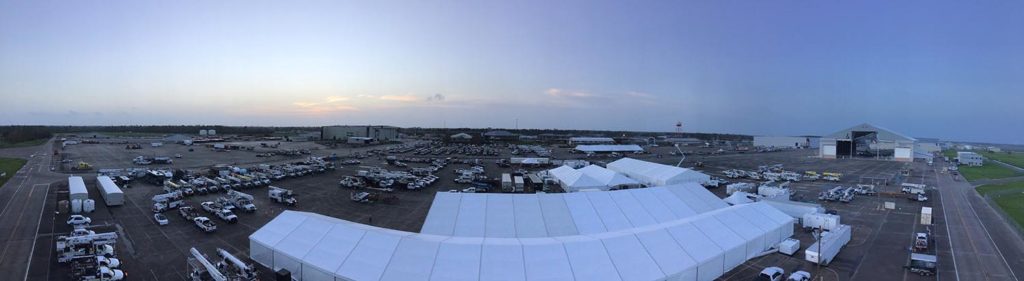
(111, 193)
(827, 247)
(76, 189)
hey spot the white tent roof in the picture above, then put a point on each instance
(656, 174)
(589, 177)
(609, 148)
(691, 246)
(561, 214)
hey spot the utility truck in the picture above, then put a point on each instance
(281, 195)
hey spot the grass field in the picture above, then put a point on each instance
(949, 153)
(987, 171)
(23, 144)
(10, 166)
(1009, 197)
(1016, 159)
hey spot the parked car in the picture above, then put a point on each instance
(79, 220)
(160, 219)
(773, 273)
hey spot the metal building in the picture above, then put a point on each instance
(343, 133)
(868, 141)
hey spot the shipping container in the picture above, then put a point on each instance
(926, 215)
(821, 220)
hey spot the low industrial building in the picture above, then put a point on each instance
(460, 137)
(500, 135)
(654, 174)
(343, 133)
(868, 141)
(782, 142)
(969, 158)
(591, 140)
(664, 233)
(609, 148)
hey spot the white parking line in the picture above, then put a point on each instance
(1000, 252)
(949, 235)
(39, 224)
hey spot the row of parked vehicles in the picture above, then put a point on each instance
(847, 194)
(91, 255)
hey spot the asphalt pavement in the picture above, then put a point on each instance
(21, 207)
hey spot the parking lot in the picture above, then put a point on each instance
(877, 251)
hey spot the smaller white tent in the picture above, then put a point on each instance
(655, 174)
(573, 180)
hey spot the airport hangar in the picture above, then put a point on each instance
(343, 133)
(868, 141)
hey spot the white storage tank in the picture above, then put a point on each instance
(111, 193)
(203, 132)
(211, 132)
(76, 188)
(76, 206)
(88, 205)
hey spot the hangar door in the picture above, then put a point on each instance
(844, 148)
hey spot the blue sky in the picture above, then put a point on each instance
(947, 69)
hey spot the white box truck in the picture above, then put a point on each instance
(827, 247)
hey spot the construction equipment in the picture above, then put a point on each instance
(281, 195)
(98, 273)
(811, 175)
(829, 176)
(202, 269)
(85, 246)
(241, 201)
(167, 201)
(237, 269)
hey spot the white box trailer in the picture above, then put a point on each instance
(76, 188)
(519, 183)
(926, 215)
(112, 194)
(819, 220)
(506, 182)
(829, 245)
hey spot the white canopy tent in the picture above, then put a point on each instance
(591, 177)
(699, 247)
(655, 174)
(560, 214)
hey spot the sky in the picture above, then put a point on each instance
(944, 69)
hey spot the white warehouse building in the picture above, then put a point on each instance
(663, 233)
(343, 133)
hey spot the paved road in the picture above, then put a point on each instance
(984, 246)
(21, 205)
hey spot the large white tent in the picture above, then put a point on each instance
(655, 174)
(560, 214)
(591, 177)
(698, 247)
